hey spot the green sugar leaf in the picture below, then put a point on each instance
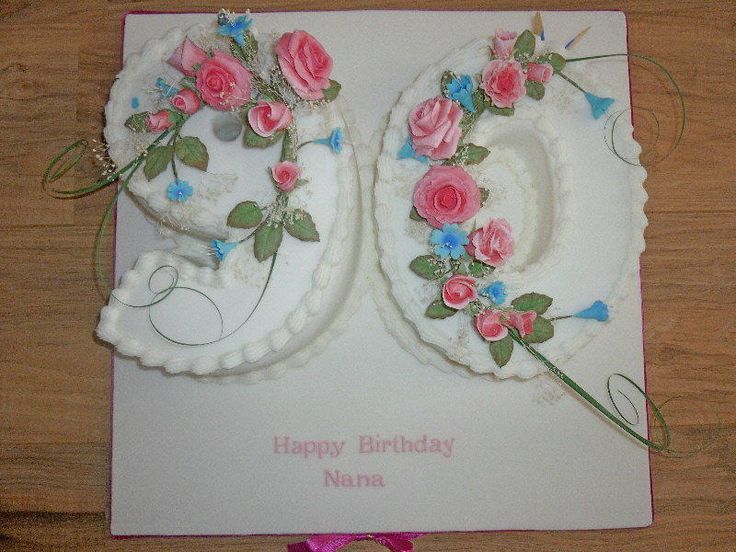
(484, 195)
(157, 159)
(478, 269)
(474, 154)
(253, 140)
(189, 82)
(479, 100)
(175, 117)
(137, 122)
(299, 224)
(501, 350)
(524, 46)
(267, 240)
(541, 331)
(192, 152)
(250, 49)
(505, 111)
(536, 302)
(414, 215)
(555, 60)
(289, 146)
(237, 52)
(468, 154)
(331, 92)
(437, 309)
(245, 215)
(428, 267)
(535, 90)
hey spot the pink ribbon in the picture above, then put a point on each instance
(396, 542)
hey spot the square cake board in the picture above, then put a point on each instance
(193, 458)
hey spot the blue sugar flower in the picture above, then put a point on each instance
(407, 151)
(165, 89)
(335, 140)
(597, 311)
(598, 105)
(495, 291)
(449, 241)
(221, 248)
(234, 28)
(179, 191)
(135, 103)
(460, 89)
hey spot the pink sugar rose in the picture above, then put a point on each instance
(223, 82)
(305, 63)
(503, 43)
(503, 80)
(446, 194)
(285, 174)
(267, 118)
(434, 127)
(459, 291)
(523, 321)
(539, 72)
(159, 121)
(186, 101)
(186, 57)
(492, 243)
(490, 326)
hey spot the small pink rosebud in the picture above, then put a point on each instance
(285, 174)
(159, 121)
(503, 43)
(459, 291)
(489, 324)
(186, 101)
(186, 57)
(267, 118)
(539, 72)
(523, 321)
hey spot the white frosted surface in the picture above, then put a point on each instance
(194, 458)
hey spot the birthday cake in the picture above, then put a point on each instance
(499, 217)
(503, 218)
(495, 218)
(236, 145)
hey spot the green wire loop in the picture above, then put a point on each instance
(54, 172)
(619, 420)
(678, 93)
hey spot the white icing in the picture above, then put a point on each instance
(311, 281)
(576, 211)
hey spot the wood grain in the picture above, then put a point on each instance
(57, 61)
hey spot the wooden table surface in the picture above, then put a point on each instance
(57, 62)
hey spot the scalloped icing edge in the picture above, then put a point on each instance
(526, 368)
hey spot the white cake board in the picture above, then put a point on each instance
(192, 458)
